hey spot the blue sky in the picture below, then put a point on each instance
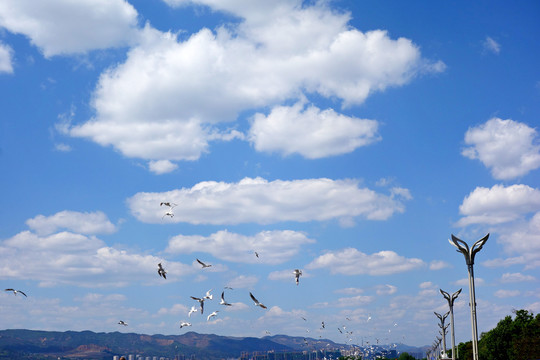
(346, 139)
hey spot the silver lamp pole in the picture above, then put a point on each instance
(469, 259)
(451, 300)
(442, 318)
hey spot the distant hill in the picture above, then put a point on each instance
(36, 345)
(32, 344)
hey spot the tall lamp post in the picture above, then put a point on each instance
(442, 318)
(451, 299)
(443, 333)
(469, 259)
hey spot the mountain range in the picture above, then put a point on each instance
(36, 344)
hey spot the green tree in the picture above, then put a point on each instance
(406, 356)
(464, 350)
(517, 339)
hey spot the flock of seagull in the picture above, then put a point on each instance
(208, 296)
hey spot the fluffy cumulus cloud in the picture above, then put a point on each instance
(260, 201)
(61, 27)
(161, 166)
(54, 257)
(310, 132)
(498, 204)
(83, 223)
(513, 212)
(166, 100)
(509, 148)
(6, 61)
(268, 247)
(350, 261)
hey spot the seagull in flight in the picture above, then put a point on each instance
(161, 271)
(193, 309)
(203, 264)
(223, 302)
(122, 322)
(168, 213)
(184, 323)
(212, 315)
(257, 303)
(297, 273)
(208, 295)
(15, 292)
(201, 302)
(169, 204)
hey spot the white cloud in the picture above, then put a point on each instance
(176, 309)
(273, 247)
(166, 100)
(62, 147)
(491, 45)
(77, 259)
(465, 282)
(162, 166)
(499, 204)
(261, 201)
(350, 261)
(506, 293)
(523, 238)
(513, 214)
(310, 132)
(66, 27)
(386, 289)
(243, 282)
(353, 301)
(286, 275)
(509, 148)
(516, 277)
(349, 291)
(83, 223)
(438, 265)
(6, 61)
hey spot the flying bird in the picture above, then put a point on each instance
(201, 302)
(15, 292)
(161, 271)
(122, 322)
(168, 213)
(212, 315)
(208, 295)
(223, 302)
(203, 264)
(169, 204)
(256, 254)
(193, 309)
(297, 273)
(322, 325)
(184, 323)
(257, 303)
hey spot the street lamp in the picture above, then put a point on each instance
(469, 259)
(451, 299)
(442, 318)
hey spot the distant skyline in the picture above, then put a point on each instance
(345, 139)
